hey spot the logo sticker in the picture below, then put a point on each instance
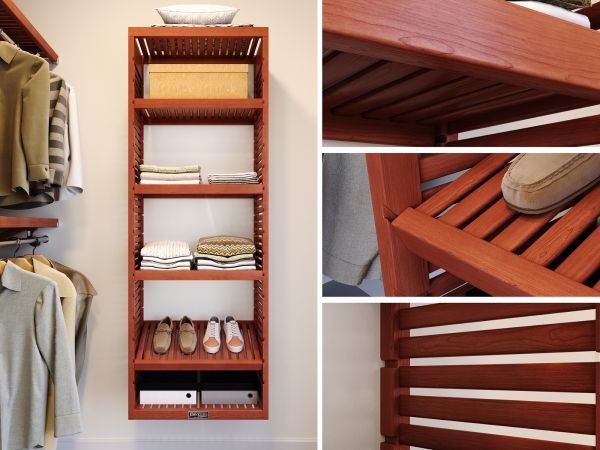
(198, 415)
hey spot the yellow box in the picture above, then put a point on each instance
(198, 80)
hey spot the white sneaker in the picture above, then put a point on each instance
(233, 335)
(212, 336)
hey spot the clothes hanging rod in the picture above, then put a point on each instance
(32, 240)
(6, 37)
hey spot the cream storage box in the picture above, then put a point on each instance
(198, 80)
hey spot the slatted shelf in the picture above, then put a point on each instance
(198, 190)
(467, 229)
(214, 412)
(444, 73)
(249, 359)
(25, 35)
(182, 275)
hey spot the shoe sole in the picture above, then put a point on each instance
(211, 350)
(233, 349)
(563, 202)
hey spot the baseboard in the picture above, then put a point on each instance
(187, 444)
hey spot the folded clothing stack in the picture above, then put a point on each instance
(225, 253)
(166, 255)
(170, 175)
(233, 178)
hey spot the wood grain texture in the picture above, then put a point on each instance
(551, 416)
(475, 202)
(341, 66)
(584, 261)
(444, 284)
(27, 223)
(449, 314)
(482, 264)
(556, 377)
(570, 133)
(376, 132)
(198, 190)
(409, 33)
(395, 185)
(554, 338)
(441, 164)
(445, 439)
(490, 220)
(549, 246)
(465, 183)
(522, 229)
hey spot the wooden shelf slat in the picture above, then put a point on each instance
(148, 274)
(183, 103)
(198, 190)
(22, 31)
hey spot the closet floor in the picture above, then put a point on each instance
(468, 229)
(249, 358)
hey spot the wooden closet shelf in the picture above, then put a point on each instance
(194, 112)
(27, 223)
(215, 412)
(147, 274)
(21, 30)
(248, 359)
(202, 190)
(479, 239)
(377, 72)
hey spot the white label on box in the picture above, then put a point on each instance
(168, 397)
(229, 397)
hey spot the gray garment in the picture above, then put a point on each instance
(350, 252)
(33, 347)
(85, 295)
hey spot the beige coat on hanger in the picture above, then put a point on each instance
(67, 293)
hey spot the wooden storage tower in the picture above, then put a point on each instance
(180, 45)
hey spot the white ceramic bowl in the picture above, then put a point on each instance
(197, 14)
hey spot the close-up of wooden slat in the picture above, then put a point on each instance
(465, 183)
(554, 338)
(555, 377)
(445, 439)
(551, 416)
(456, 313)
(441, 164)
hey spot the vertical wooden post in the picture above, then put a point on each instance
(597, 365)
(390, 389)
(395, 184)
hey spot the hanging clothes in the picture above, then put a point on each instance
(24, 125)
(73, 184)
(34, 347)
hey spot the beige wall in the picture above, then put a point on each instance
(351, 377)
(91, 39)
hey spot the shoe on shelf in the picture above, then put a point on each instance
(187, 335)
(162, 336)
(540, 182)
(212, 336)
(233, 335)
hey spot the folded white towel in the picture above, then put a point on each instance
(155, 265)
(166, 249)
(556, 11)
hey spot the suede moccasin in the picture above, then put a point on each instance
(537, 183)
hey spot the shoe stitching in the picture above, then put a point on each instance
(568, 166)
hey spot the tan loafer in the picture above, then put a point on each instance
(162, 336)
(537, 183)
(187, 335)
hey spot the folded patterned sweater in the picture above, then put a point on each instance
(224, 246)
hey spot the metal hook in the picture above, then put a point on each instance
(18, 247)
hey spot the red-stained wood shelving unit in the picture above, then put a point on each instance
(179, 45)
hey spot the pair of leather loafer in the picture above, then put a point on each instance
(187, 336)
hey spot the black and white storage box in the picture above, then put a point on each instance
(171, 388)
(227, 388)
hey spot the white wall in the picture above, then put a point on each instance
(351, 376)
(91, 39)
